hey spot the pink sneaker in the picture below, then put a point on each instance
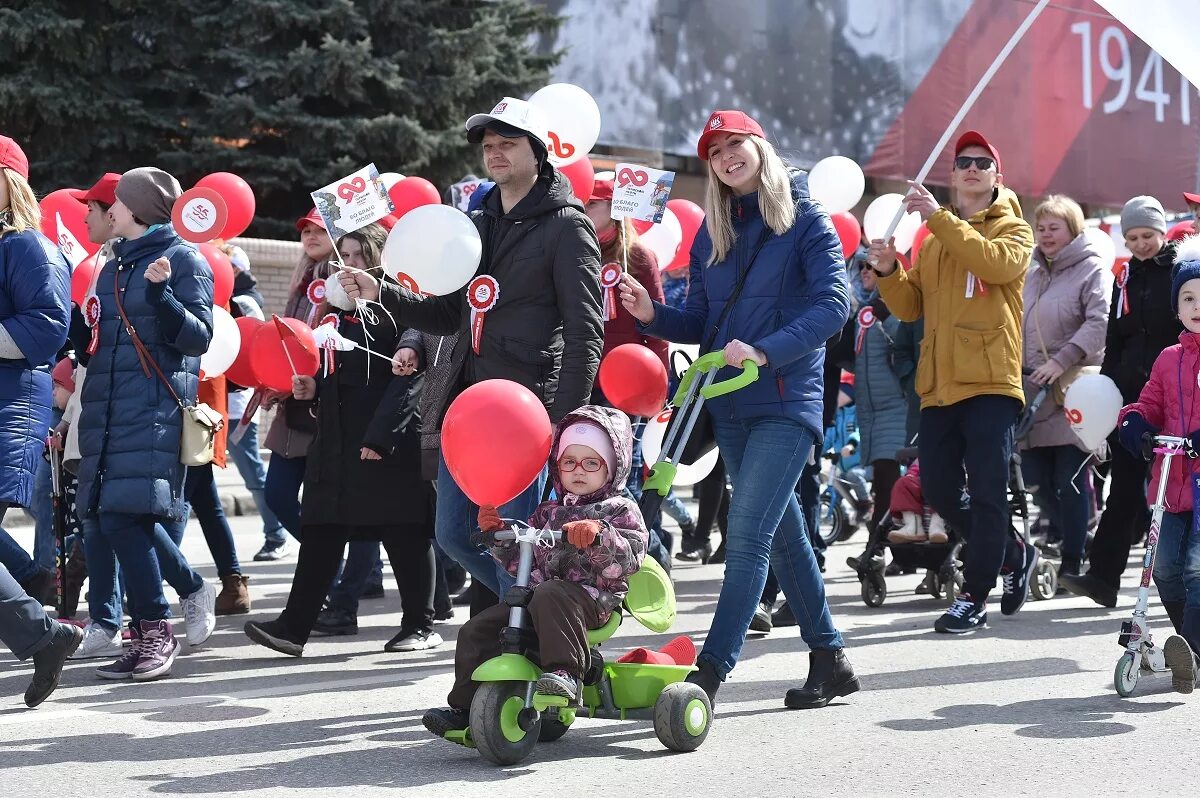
(123, 667)
(156, 651)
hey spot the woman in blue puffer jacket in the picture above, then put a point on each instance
(761, 227)
(130, 475)
(34, 312)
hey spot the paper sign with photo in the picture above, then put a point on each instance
(353, 202)
(640, 192)
(461, 193)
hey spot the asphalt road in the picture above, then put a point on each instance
(1025, 708)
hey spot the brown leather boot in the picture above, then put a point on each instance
(234, 598)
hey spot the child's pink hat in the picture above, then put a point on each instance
(585, 433)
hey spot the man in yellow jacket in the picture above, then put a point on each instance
(968, 286)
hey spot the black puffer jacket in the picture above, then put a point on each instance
(546, 331)
(1136, 337)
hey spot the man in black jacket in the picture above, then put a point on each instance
(546, 330)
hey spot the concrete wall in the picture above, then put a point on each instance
(271, 262)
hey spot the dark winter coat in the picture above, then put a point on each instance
(882, 409)
(795, 298)
(129, 425)
(546, 331)
(433, 352)
(35, 309)
(602, 569)
(1136, 337)
(362, 404)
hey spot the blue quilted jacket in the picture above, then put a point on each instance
(129, 425)
(795, 298)
(35, 309)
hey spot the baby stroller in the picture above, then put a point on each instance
(943, 562)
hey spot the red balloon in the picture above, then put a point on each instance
(239, 201)
(73, 214)
(271, 367)
(582, 176)
(496, 439)
(1181, 230)
(641, 226)
(634, 379)
(918, 239)
(222, 269)
(242, 370)
(413, 192)
(81, 280)
(848, 230)
(690, 216)
(905, 263)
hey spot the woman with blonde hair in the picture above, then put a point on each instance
(1065, 320)
(767, 284)
(35, 303)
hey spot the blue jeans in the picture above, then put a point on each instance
(361, 567)
(764, 458)
(134, 553)
(200, 490)
(41, 507)
(456, 520)
(1177, 561)
(285, 477)
(249, 464)
(15, 559)
(25, 629)
(1056, 476)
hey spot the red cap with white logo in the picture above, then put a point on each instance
(726, 122)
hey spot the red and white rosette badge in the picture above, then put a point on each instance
(91, 315)
(316, 292)
(1122, 275)
(610, 276)
(482, 295)
(866, 320)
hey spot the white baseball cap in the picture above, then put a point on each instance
(510, 118)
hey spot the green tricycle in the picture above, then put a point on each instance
(508, 717)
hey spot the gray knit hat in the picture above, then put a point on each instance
(149, 193)
(1143, 211)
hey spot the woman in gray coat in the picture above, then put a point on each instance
(882, 409)
(1066, 317)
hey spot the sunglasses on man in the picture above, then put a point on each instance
(982, 162)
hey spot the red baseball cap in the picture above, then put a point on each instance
(602, 190)
(974, 137)
(104, 191)
(1192, 199)
(726, 122)
(313, 217)
(13, 157)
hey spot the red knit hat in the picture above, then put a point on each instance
(312, 217)
(726, 122)
(64, 374)
(13, 157)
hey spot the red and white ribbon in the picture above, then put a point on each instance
(1122, 275)
(482, 295)
(610, 276)
(974, 283)
(91, 317)
(329, 344)
(866, 320)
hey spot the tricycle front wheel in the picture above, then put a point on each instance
(495, 723)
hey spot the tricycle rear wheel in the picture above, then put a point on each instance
(682, 716)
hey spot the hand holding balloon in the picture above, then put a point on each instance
(882, 256)
(304, 388)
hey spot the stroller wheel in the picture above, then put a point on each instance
(874, 589)
(1045, 581)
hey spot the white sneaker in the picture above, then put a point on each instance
(937, 529)
(908, 532)
(200, 614)
(99, 642)
(413, 641)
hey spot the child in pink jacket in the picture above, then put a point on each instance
(577, 583)
(1170, 404)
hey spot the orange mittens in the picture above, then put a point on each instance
(582, 534)
(489, 519)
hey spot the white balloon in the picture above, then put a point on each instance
(837, 182)
(1092, 404)
(652, 441)
(436, 247)
(572, 119)
(224, 347)
(664, 238)
(390, 179)
(879, 215)
(1103, 244)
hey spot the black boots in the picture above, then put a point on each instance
(829, 676)
(48, 663)
(707, 679)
